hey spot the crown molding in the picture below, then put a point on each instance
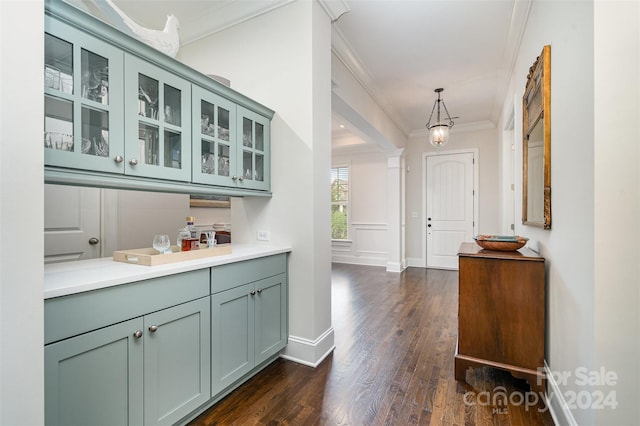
(335, 8)
(235, 12)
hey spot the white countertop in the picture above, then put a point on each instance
(62, 279)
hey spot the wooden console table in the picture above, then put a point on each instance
(501, 313)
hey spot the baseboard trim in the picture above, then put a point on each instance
(358, 260)
(558, 407)
(309, 352)
(396, 267)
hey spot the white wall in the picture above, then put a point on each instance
(368, 232)
(617, 203)
(21, 213)
(486, 142)
(282, 59)
(567, 27)
(592, 276)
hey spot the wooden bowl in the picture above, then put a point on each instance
(501, 243)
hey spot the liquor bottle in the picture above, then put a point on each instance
(187, 239)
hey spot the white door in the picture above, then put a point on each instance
(450, 207)
(71, 223)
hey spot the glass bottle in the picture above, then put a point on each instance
(187, 234)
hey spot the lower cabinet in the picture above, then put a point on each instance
(160, 351)
(96, 378)
(176, 362)
(249, 325)
(159, 361)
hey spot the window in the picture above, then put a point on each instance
(339, 203)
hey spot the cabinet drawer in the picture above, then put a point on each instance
(233, 275)
(79, 313)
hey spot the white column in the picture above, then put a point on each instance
(395, 197)
(21, 213)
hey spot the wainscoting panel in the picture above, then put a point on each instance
(367, 245)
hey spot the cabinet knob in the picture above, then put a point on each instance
(241, 178)
(259, 290)
(118, 158)
(133, 161)
(153, 328)
(137, 334)
(253, 292)
(234, 178)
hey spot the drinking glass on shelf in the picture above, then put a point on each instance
(161, 243)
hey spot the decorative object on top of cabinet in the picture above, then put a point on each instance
(501, 242)
(166, 41)
(536, 143)
(118, 115)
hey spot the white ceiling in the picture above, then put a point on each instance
(401, 50)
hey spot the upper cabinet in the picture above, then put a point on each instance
(120, 114)
(233, 148)
(214, 159)
(253, 152)
(157, 122)
(83, 118)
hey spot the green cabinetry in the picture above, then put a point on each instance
(214, 135)
(96, 378)
(152, 369)
(83, 100)
(160, 351)
(120, 114)
(249, 321)
(157, 122)
(254, 165)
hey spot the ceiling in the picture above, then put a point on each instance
(400, 50)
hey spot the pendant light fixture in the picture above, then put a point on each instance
(439, 131)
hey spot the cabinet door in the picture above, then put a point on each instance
(232, 341)
(253, 150)
(176, 361)
(83, 98)
(96, 378)
(214, 130)
(270, 316)
(157, 122)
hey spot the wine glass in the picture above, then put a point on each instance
(161, 243)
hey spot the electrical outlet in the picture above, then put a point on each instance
(264, 236)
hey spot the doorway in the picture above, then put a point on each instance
(450, 206)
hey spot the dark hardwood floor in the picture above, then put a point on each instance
(395, 338)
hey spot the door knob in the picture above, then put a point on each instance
(429, 226)
(93, 241)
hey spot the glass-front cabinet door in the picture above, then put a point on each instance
(83, 85)
(214, 130)
(253, 148)
(157, 122)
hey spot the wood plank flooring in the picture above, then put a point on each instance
(395, 338)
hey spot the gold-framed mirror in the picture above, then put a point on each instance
(536, 143)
